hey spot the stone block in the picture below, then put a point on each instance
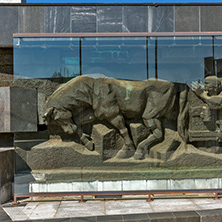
(187, 18)
(30, 19)
(139, 132)
(6, 140)
(8, 24)
(190, 216)
(161, 19)
(210, 215)
(83, 19)
(135, 19)
(6, 174)
(107, 141)
(18, 110)
(211, 17)
(109, 19)
(57, 19)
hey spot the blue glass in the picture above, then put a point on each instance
(46, 57)
(180, 59)
(122, 58)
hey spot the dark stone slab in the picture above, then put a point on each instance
(211, 18)
(210, 215)
(113, 218)
(135, 19)
(161, 19)
(57, 19)
(8, 24)
(31, 19)
(18, 110)
(6, 140)
(109, 19)
(185, 216)
(187, 18)
(6, 175)
(83, 219)
(136, 217)
(83, 19)
(162, 217)
(23, 110)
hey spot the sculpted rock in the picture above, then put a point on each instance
(139, 132)
(83, 100)
(107, 141)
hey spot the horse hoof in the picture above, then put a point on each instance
(123, 154)
(139, 156)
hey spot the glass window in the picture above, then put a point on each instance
(122, 58)
(46, 57)
(180, 59)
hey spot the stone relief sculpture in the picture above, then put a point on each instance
(208, 110)
(83, 100)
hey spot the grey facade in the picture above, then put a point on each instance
(106, 18)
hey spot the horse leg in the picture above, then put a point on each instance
(128, 149)
(155, 136)
(85, 139)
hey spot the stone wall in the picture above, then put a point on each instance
(6, 63)
(6, 173)
(107, 18)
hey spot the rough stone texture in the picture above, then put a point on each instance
(30, 19)
(109, 19)
(135, 19)
(211, 18)
(57, 19)
(107, 141)
(169, 145)
(18, 109)
(83, 19)
(210, 215)
(139, 132)
(41, 106)
(24, 142)
(8, 24)
(187, 19)
(161, 19)
(6, 62)
(6, 174)
(6, 140)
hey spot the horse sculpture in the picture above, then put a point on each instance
(84, 99)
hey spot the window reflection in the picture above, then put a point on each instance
(180, 59)
(177, 59)
(123, 58)
(46, 57)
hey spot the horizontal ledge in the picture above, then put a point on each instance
(116, 34)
